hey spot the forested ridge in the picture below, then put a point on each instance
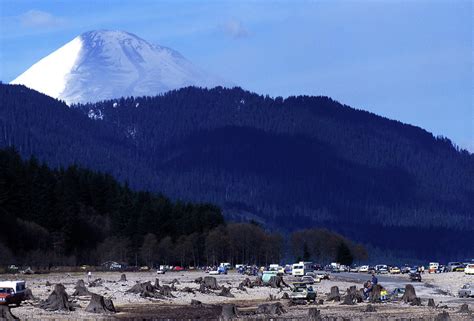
(287, 163)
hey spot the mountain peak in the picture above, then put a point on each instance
(107, 64)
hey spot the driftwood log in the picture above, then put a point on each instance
(58, 300)
(80, 289)
(6, 314)
(99, 304)
(334, 295)
(96, 282)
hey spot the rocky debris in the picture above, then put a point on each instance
(443, 316)
(229, 312)
(353, 296)
(226, 292)
(370, 308)
(5, 313)
(99, 304)
(80, 289)
(431, 303)
(410, 295)
(464, 309)
(334, 295)
(314, 314)
(123, 278)
(271, 308)
(58, 300)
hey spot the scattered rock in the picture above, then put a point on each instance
(57, 300)
(99, 304)
(334, 295)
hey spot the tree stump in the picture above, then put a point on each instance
(229, 312)
(29, 295)
(57, 300)
(47, 283)
(175, 281)
(271, 308)
(203, 288)
(96, 282)
(410, 295)
(123, 278)
(431, 303)
(196, 302)
(352, 296)
(443, 316)
(198, 280)
(226, 292)
(375, 296)
(334, 295)
(80, 289)
(99, 304)
(141, 287)
(370, 308)
(165, 290)
(211, 282)
(314, 314)
(416, 302)
(464, 309)
(285, 296)
(187, 290)
(5, 313)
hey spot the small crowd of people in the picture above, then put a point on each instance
(369, 286)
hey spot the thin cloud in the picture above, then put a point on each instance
(39, 19)
(235, 29)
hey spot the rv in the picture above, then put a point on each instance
(433, 268)
(301, 268)
(12, 292)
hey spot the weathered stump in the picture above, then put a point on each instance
(431, 303)
(226, 292)
(48, 283)
(410, 294)
(285, 296)
(314, 314)
(141, 287)
(157, 283)
(203, 288)
(80, 289)
(123, 278)
(198, 280)
(99, 304)
(443, 316)
(211, 282)
(229, 312)
(57, 300)
(370, 308)
(334, 295)
(96, 282)
(464, 309)
(375, 296)
(271, 308)
(5, 313)
(416, 302)
(165, 290)
(196, 302)
(352, 297)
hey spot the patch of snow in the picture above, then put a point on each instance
(96, 115)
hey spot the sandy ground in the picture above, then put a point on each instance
(132, 306)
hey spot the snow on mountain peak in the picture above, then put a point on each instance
(105, 64)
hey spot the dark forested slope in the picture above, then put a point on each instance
(291, 163)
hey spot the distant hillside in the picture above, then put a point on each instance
(290, 163)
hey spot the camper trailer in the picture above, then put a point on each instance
(12, 292)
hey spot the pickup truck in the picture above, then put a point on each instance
(12, 292)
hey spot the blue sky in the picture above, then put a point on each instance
(407, 60)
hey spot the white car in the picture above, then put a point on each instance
(364, 269)
(469, 269)
(215, 272)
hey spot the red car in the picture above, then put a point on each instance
(178, 268)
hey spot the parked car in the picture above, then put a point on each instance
(395, 270)
(302, 292)
(178, 268)
(415, 277)
(381, 269)
(371, 270)
(469, 269)
(363, 269)
(322, 275)
(414, 269)
(307, 279)
(405, 269)
(433, 267)
(466, 291)
(442, 269)
(12, 292)
(452, 266)
(354, 268)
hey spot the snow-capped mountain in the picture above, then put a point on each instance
(104, 64)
